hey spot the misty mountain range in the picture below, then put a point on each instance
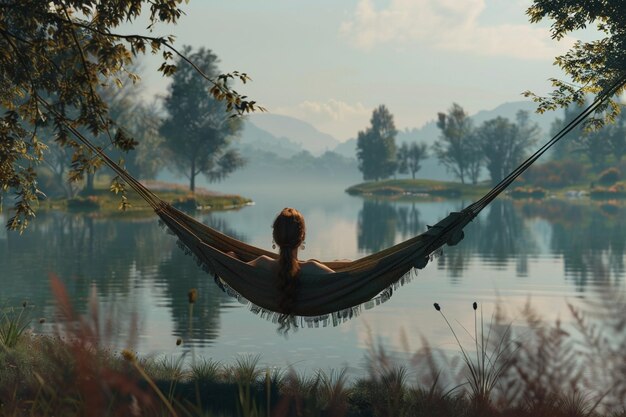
(269, 142)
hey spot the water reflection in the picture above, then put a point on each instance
(119, 259)
(379, 221)
(134, 267)
(503, 237)
(590, 238)
(179, 273)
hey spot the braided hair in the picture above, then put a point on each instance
(289, 232)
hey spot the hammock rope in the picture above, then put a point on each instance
(327, 299)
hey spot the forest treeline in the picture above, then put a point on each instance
(473, 153)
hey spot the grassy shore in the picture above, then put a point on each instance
(106, 202)
(549, 372)
(428, 189)
(417, 188)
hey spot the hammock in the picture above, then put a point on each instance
(327, 299)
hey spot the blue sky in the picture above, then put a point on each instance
(330, 63)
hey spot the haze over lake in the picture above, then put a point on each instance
(549, 253)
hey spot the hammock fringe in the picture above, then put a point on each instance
(332, 319)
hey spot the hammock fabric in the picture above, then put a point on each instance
(322, 299)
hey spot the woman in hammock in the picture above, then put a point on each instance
(289, 232)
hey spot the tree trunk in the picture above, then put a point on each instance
(89, 185)
(413, 174)
(192, 176)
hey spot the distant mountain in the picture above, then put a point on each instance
(296, 131)
(254, 138)
(347, 148)
(509, 111)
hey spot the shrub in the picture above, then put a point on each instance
(528, 192)
(388, 190)
(609, 176)
(83, 203)
(553, 174)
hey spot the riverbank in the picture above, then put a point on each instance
(106, 202)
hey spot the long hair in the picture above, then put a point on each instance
(289, 232)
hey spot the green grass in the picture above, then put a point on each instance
(544, 373)
(13, 323)
(418, 187)
(407, 189)
(103, 201)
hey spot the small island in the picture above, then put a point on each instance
(107, 203)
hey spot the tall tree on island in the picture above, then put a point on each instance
(198, 131)
(410, 157)
(456, 148)
(376, 146)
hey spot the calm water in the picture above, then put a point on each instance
(549, 253)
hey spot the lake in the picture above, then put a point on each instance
(547, 253)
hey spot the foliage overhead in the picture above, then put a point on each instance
(376, 146)
(197, 130)
(53, 56)
(594, 67)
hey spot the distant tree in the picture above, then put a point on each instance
(582, 144)
(456, 148)
(376, 146)
(616, 136)
(197, 131)
(504, 144)
(569, 147)
(410, 156)
(128, 113)
(594, 146)
(148, 157)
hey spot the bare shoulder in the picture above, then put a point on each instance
(263, 261)
(313, 266)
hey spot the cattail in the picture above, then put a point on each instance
(475, 305)
(128, 355)
(179, 341)
(437, 307)
(24, 304)
(192, 295)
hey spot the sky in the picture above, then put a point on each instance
(330, 63)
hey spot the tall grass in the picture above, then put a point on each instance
(547, 371)
(13, 324)
(492, 359)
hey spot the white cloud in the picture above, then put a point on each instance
(336, 117)
(451, 25)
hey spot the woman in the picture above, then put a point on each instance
(289, 232)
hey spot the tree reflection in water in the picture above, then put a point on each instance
(503, 237)
(114, 258)
(380, 221)
(376, 228)
(590, 237)
(499, 238)
(180, 273)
